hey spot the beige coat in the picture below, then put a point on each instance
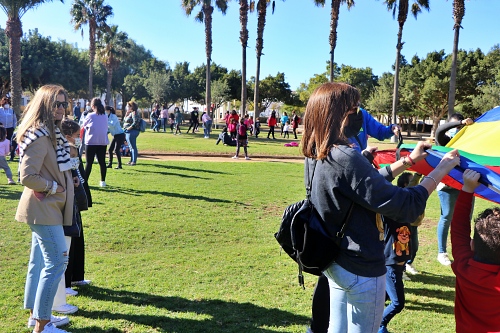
(39, 165)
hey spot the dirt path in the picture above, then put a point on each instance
(218, 158)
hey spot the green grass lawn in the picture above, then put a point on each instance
(176, 246)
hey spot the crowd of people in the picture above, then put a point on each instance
(380, 243)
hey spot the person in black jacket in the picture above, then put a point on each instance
(194, 122)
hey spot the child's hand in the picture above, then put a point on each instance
(471, 178)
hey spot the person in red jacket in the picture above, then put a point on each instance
(271, 122)
(477, 263)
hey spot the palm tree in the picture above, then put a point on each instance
(458, 15)
(334, 20)
(205, 16)
(94, 13)
(402, 7)
(15, 9)
(244, 8)
(112, 48)
(259, 45)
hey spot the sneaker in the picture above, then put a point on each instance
(65, 309)
(118, 167)
(109, 166)
(247, 158)
(444, 259)
(405, 278)
(102, 183)
(50, 328)
(11, 182)
(411, 270)
(71, 292)
(80, 283)
(54, 320)
(235, 157)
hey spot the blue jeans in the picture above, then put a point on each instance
(164, 123)
(208, 128)
(447, 199)
(396, 291)
(131, 137)
(48, 261)
(356, 302)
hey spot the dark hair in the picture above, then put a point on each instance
(404, 179)
(325, 118)
(3, 133)
(133, 105)
(98, 104)
(111, 109)
(487, 236)
(5, 100)
(233, 112)
(224, 129)
(69, 127)
(457, 116)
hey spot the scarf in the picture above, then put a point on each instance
(62, 146)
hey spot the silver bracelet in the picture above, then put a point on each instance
(430, 177)
(54, 188)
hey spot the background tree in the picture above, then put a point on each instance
(205, 16)
(15, 9)
(220, 93)
(402, 8)
(458, 14)
(244, 9)
(259, 46)
(334, 20)
(112, 48)
(274, 89)
(93, 13)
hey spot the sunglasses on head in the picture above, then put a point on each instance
(63, 104)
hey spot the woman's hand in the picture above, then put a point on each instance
(418, 152)
(60, 189)
(471, 180)
(450, 160)
(76, 181)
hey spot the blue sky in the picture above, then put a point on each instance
(295, 37)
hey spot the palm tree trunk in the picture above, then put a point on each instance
(259, 46)
(334, 20)
(244, 44)
(92, 33)
(109, 78)
(395, 97)
(458, 13)
(14, 30)
(208, 10)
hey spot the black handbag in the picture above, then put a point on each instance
(305, 238)
(74, 230)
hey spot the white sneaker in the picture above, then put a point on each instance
(406, 277)
(411, 270)
(102, 183)
(65, 309)
(235, 157)
(444, 259)
(55, 320)
(50, 328)
(80, 283)
(247, 158)
(71, 292)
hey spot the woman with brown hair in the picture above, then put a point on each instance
(46, 203)
(131, 126)
(343, 176)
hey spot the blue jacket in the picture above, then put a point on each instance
(372, 128)
(114, 126)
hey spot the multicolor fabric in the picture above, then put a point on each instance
(479, 149)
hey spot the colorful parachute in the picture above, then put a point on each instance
(479, 147)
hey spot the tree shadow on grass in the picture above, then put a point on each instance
(171, 174)
(429, 307)
(435, 279)
(174, 167)
(11, 192)
(135, 193)
(215, 315)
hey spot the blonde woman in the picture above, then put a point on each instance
(46, 203)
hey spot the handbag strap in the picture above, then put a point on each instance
(345, 222)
